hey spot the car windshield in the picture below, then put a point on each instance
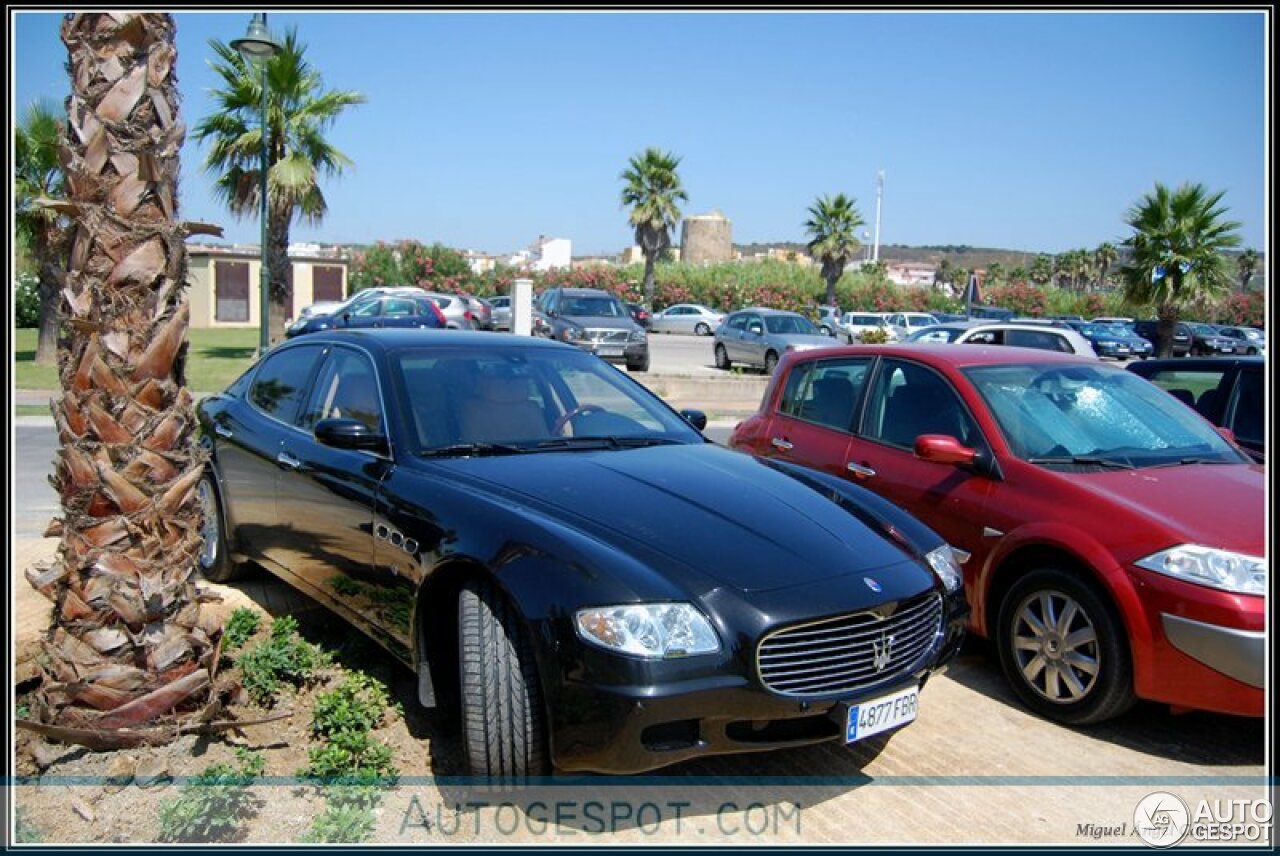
(936, 334)
(790, 325)
(1078, 414)
(461, 400)
(1098, 330)
(605, 307)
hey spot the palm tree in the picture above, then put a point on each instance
(38, 176)
(995, 274)
(1246, 264)
(1041, 272)
(652, 189)
(1177, 247)
(129, 641)
(833, 223)
(299, 111)
(1104, 257)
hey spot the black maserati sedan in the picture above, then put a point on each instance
(568, 565)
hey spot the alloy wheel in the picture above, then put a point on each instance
(1056, 646)
(209, 532)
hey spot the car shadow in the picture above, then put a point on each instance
(1197, 737)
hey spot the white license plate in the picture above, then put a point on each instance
(881, 714)
(610, 350)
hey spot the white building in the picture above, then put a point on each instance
(545, 254)
(911, 273)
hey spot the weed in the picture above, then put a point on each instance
(358, 704)
(341, 823)
(351, 757)
(344, 585)
(211, 806)
(241, 626)
(284, 657)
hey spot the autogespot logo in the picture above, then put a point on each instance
(1161, 819)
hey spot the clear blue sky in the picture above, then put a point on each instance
(1026, 131)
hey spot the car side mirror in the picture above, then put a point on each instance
(942, 449)
(1227, 433)
(349, 434)
(696, 418)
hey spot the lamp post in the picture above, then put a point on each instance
(258, 48)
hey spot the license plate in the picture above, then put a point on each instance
(881, 714)
(610, 350)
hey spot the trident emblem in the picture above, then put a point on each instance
(882, 652)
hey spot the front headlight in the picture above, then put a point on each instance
(653, 630)
(637, 336)
(1206, 566)
(944, 564)
(574, 334)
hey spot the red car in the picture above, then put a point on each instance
(1115, 539)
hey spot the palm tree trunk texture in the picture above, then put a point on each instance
(649, 258)
(48, 256)
(278, 270)
(129, 643)
(1167, 315)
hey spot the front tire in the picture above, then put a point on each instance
(1063, 649)
(214, 560)
(701, 329)
(503, 724)
(770, 362)
(639, 365)
(722, 358)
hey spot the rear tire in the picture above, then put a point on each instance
(214, 560)
(702, 329)
(722, 358)
(503, 724)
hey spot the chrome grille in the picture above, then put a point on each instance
(611, 336)
(849, 652)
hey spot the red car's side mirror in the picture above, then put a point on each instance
(942, 449)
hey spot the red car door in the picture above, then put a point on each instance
(816, 413)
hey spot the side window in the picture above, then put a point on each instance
(755, 324)
(1246, 418)
(367, 310)
(551, 302)
(833, 392)
(738, 322)
(1034, 339)
(347, 388)
(986, 337)
(280, 385)
(909, 400)
(397, 307)
(793, 393)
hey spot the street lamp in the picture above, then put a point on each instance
(257, 47)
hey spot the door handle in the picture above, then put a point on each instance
(222, 431)
(860, 471)
(284, 459)
(781, 444)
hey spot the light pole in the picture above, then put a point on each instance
(866, 243)
(258, 48)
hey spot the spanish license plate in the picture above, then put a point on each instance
(610, 350)
(881, 714)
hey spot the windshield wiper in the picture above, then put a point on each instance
(1083, 460)
(604, 442)
(1186, 462)
(464, 450)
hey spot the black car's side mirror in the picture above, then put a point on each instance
(346, 317)
(350, 434)
(696, 418)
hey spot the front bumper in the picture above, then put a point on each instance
(613, 352)
(1238, 654)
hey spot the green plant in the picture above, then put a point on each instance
(211, 806)
(358, 704)
(873, 337)
(341, 823)
(26, 300)
(344, 585)
(351, 758)
(241, 626)
(283, 657)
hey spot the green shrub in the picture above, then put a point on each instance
(344, 585)
(873, 337)
(211, 806)
(358, 704)
(241, 626)
(341, 823)
(26, 300)
(351, 758)
(283, 658)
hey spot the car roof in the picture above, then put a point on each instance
(583, 292)
(380, 340)
(956, 356)
(764, 310)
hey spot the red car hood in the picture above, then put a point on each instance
(1216, 505)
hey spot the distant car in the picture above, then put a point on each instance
(1206, 340)
(1138, 346)
(1111, 319)
(640, 315)
(689, 318)
(595, 321)
(458, 310)
(482, 310)
(320, 307)
(992, 313)
(853, 324)
(385, 311)
(1249, 340)
(759, 337)
(1228, 391)
(828, 319)
(1039, 336)
(1109, 342)
(948, 317)
(1115, 543)
(910, 322)
(1150, 330)
(501, 307)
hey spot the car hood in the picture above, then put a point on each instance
(1216, 505)
(720, 513)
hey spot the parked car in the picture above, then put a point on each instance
(501, 307)
(320, 307)
(383, 311)
(909, 322)
(691, 318)
(640, 315)
(991, 313)
(1138, 346)
(1150, 330)
(1111, 319)
(459, 312)
(759, 337)
(1206, 341)
(1041, 336)
(354, 301)
(1228, 391)
(828, 320)
(484, 508)
(1114, 540)
(482, 310)
(948, 317)
(596, 321)
(1249, 340)
(1111, 342)
(853, 324)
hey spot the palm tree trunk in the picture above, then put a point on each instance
(831, 289)
(129, 642)
(1167, 313)
(47, 258)
(278, 271)
(649, 258)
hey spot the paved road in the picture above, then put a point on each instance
(34, 501)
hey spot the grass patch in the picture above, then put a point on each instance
(32, 410)
(211, 806)
(214, 359)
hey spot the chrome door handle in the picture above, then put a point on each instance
(222, 432)
(779, 443)
(860, 471)
(284, 459)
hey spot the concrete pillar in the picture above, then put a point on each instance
(522, 307)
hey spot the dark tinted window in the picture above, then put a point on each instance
(793, 392)
(738, 322)
(909, 400)
(279, 386)
(1036, 339)
(1246, 421)
(833, 391)
(346, 388)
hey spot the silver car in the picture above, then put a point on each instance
(501, 312)
(760, 337)
(688, 318)
(457, 310)
(853, 324)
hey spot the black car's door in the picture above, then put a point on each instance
(325, 496)
(249, 436)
